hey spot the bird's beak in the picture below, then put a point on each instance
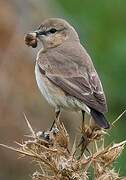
(39, 32)
(34, 34)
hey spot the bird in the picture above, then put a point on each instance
(65, 73)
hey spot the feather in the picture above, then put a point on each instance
(70, 68)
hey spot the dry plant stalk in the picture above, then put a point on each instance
(49, 149)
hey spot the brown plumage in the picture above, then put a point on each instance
(65, 73)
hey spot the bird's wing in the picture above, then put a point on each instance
(71, 69)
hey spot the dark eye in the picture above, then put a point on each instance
(53, 30)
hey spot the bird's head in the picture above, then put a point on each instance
(52, 33)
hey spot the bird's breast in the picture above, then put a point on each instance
(55, 95)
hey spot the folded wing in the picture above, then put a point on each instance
(71, 69)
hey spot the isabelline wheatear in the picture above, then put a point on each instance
(65, 73)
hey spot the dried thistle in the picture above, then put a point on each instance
(109, 175)
(49, 149)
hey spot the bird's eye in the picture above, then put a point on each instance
(53, 30)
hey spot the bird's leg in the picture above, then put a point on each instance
(57, 121)
(83, 140)
(52, 125)
(57, 115)
(83, 116)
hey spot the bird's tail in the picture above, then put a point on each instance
(100, 119)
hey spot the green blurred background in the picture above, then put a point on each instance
(101, 26)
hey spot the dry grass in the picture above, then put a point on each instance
(50, 151)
